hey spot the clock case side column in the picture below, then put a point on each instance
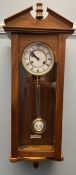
(14, 98)
(59, 97)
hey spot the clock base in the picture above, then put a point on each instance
(33, 159)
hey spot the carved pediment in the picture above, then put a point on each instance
(24, 22)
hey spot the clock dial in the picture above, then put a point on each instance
(38, 58)
(39, 125)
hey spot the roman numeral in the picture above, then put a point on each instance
(49, 59)
(32, 68)
(43, 69)
(47, 64)
(37, 70)
(28, 64)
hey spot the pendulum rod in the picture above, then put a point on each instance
(38, 99)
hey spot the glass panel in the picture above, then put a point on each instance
(28, 107)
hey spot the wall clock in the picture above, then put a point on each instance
(38, 54)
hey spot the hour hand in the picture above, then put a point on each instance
(33, 55)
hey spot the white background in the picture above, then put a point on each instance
(68, 166)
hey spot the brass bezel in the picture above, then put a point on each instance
(36, 120)
(39, 73)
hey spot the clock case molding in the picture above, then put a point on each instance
(53, 31)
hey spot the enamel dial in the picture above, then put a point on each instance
(39, 125)
(38, 58)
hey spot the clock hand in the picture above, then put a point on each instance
(33, 55)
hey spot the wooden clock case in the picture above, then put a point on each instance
(53, 31)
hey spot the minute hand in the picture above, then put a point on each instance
(33, 55)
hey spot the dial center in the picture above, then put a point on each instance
(37, 58)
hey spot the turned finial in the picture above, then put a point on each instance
(39, 11)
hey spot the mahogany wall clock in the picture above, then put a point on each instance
(37, 54)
